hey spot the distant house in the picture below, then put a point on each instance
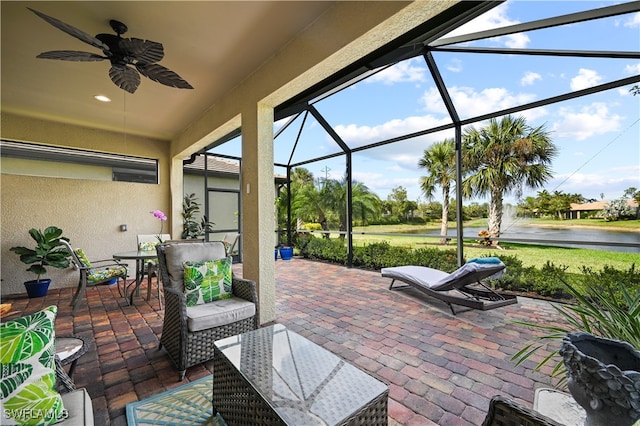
(585, 210)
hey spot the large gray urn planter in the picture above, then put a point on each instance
(604, 378)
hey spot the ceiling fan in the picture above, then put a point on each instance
(121, 52)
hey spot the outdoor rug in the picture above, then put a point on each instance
(188, 404)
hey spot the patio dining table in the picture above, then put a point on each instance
(141, 257)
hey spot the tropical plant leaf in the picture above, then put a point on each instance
(25, 337)
(597, 311)
(36, 398)
(13, 375)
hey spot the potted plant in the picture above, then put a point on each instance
(191, 228)
(49, 251)
(286, 252)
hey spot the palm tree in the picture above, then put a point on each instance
(364, 203)
(440, 162)
(502, 157)
(310, 204)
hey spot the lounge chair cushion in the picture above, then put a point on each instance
(207, 281)
(177, 254)
(27, 348)
(221, 312)
(466, 274)
(422, 275)
(438, 280)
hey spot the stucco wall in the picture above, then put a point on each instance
(89, 212)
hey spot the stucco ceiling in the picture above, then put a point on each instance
(213, 45)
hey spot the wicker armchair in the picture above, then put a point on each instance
(505, 412)
(183, 336)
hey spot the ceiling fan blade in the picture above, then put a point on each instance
(146, 51)
(79, 34)
(162, 75)
(71, 55)
(124, 77)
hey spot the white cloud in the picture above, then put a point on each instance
(632, 69)
(382, 184)
(402, 72)
(591, 120)
(529, 78)
(355, 135)
(611, 182)
(633, 21)
(455, 65)
(495, 18)
(586, 78)
(470, 103)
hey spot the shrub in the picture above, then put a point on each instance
(612, 313)
(608, 281)
(332, 250)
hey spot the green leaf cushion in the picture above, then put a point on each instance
(98, 276)
(207, 281)
(83, 258)
(147, 246)
(27, 364)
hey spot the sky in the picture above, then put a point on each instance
(597, 136)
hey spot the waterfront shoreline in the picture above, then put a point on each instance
(565, 226)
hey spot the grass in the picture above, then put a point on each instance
(530, 255)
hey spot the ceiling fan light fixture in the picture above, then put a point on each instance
(123, 53)
(102, 98)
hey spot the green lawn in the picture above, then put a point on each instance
(530, 255)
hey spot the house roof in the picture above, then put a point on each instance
(217, 166)
(597, 205)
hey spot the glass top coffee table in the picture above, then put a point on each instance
(275, 376)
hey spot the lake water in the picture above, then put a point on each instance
(561, 237)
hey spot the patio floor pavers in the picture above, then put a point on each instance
(442, 369)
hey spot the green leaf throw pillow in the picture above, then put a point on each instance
(27, 364)
(207, 281)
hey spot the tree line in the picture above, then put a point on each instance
(501, 158)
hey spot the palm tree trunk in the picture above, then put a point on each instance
(495, 215)
(444, 226)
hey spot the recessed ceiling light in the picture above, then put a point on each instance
(102, 98)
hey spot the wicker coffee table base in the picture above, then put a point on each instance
(240, 404)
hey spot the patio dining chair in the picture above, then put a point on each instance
(93, 272)
(148, 242)
(231, 245)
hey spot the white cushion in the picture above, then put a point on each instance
(421, 275)
(220, 312)
(78, 405)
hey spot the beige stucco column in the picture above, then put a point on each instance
(258, 198)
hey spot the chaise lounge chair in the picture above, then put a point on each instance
(441, 285)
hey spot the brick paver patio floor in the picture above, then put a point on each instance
(442, 369)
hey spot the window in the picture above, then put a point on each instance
(40, 160)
